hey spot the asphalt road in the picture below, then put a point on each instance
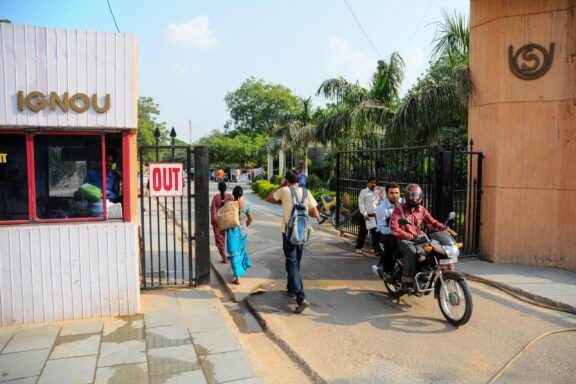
(354, 333)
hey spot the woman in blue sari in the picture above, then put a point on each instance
(237, 237)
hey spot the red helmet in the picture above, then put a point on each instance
(413, 195)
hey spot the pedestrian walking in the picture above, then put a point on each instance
(367, 203)
(237, 237)
(218, 201)
(293, 253)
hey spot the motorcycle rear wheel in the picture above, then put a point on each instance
(321, 218)
(343, 219)
(456, 305)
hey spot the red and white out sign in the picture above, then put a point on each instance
(165, 179)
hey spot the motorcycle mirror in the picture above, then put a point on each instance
(404, 221)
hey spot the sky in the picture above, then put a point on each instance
(192, 52)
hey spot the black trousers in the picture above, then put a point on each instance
(388, 242)
(362, 236)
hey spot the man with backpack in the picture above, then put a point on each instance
(297, 205)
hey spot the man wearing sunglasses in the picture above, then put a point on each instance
(412, 210)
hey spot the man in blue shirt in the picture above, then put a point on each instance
(385, 238)
(112, 180)
(301, 176)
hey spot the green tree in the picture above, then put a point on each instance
(359, 112)
(148, 112)
(257, 107)
(435, 110)
(232, 150)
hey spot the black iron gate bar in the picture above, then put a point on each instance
(353, 167)
(185, 236)
(452, 181)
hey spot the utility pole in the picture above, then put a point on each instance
(190, 131)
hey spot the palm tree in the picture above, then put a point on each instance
(358, 112)
(298, 131)
(440, 99)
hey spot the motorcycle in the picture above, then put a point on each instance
(326, 208)
(435, 265)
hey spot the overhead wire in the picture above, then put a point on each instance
(420, 23)
(113, 18)
(363, 30)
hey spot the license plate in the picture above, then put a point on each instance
(447, 261)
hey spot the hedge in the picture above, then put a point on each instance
(265, 188)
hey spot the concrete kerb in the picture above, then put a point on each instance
(293, 355)
(523, 295)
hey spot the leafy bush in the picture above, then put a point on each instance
(314, 182)
(261, 176)
(265, 189)
(277, 179)
(256, 185)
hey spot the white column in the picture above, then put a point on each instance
(281, 161)
(270, 165)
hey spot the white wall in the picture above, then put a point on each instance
(65, 60)
(68, 271)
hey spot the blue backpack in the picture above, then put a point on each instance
(298, 228)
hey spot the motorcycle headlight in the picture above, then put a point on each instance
(451, 250)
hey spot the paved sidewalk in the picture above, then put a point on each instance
(551, 286)
(181, 338)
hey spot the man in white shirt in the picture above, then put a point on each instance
(293, 253)
(367, 203)
(385, 237)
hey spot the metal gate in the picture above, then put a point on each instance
(452, 181)
(174, 242)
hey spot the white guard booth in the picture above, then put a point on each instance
(68, 214)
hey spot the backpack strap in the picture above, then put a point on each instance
(304, 193)
(293, 193)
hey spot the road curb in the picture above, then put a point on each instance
(293, 355)
(523, 295)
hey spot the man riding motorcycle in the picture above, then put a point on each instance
(417, 215)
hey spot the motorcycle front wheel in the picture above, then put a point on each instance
(343, 219)
(455, 301)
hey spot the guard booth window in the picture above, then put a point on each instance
(68, 176)
(60, 176)
(13, 178)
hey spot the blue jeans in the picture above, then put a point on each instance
(293, 254)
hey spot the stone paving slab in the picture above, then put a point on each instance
(214, 341)
(27, 380)
(127, 373)
(22, 364)
(81, 327)
(167, 336)
(189, 377)
(76, 370)
(172, 360)
(75, 346)
(551, 283)
(227, 366)
(157, 347)
(30, 339)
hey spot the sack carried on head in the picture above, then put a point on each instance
(228, 215)
(298, 227)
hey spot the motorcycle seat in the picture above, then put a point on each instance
(327, 198)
